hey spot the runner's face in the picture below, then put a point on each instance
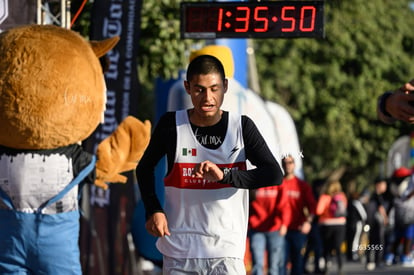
(207, 94)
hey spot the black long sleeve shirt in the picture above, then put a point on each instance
(163, 142)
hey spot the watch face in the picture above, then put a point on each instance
(269, 19)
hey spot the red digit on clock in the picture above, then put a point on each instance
(288, 18)
(220, 20)
(257, 18)
(244, 19)
(302, 18)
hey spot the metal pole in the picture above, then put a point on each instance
(253, 76)
(67, 14)
(39, 12)
(63, 13)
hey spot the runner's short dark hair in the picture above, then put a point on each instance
(205, 64)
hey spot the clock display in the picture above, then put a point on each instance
(269, 19)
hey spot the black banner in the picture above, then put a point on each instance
(16, 12)
(104, 228)
(118, 18)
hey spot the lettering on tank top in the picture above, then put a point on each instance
(206, 140)
(188, 181)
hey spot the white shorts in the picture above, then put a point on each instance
(199, 266)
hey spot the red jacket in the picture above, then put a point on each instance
(300, 196)
(268, 210)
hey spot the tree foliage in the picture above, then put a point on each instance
(162, 52)
(330, 86)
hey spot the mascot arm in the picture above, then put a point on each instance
(121, 151)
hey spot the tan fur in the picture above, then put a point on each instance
(51, 88)
(121, 151)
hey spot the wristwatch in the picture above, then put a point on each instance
(225, 172)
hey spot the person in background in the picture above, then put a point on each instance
(331, 209)
(403, 219)
(302, 205)
(355, 222)
(202, 227)
(378, 220)
(314, 241)
(392, 106)
(268, 221)
(397, 105)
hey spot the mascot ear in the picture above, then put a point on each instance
(121, 151)
(100, 48)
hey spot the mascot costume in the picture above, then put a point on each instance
(52, 96)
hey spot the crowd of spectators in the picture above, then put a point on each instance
(373, 227)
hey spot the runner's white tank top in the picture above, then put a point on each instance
(206, 219)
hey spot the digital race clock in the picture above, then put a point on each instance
(266, 19)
